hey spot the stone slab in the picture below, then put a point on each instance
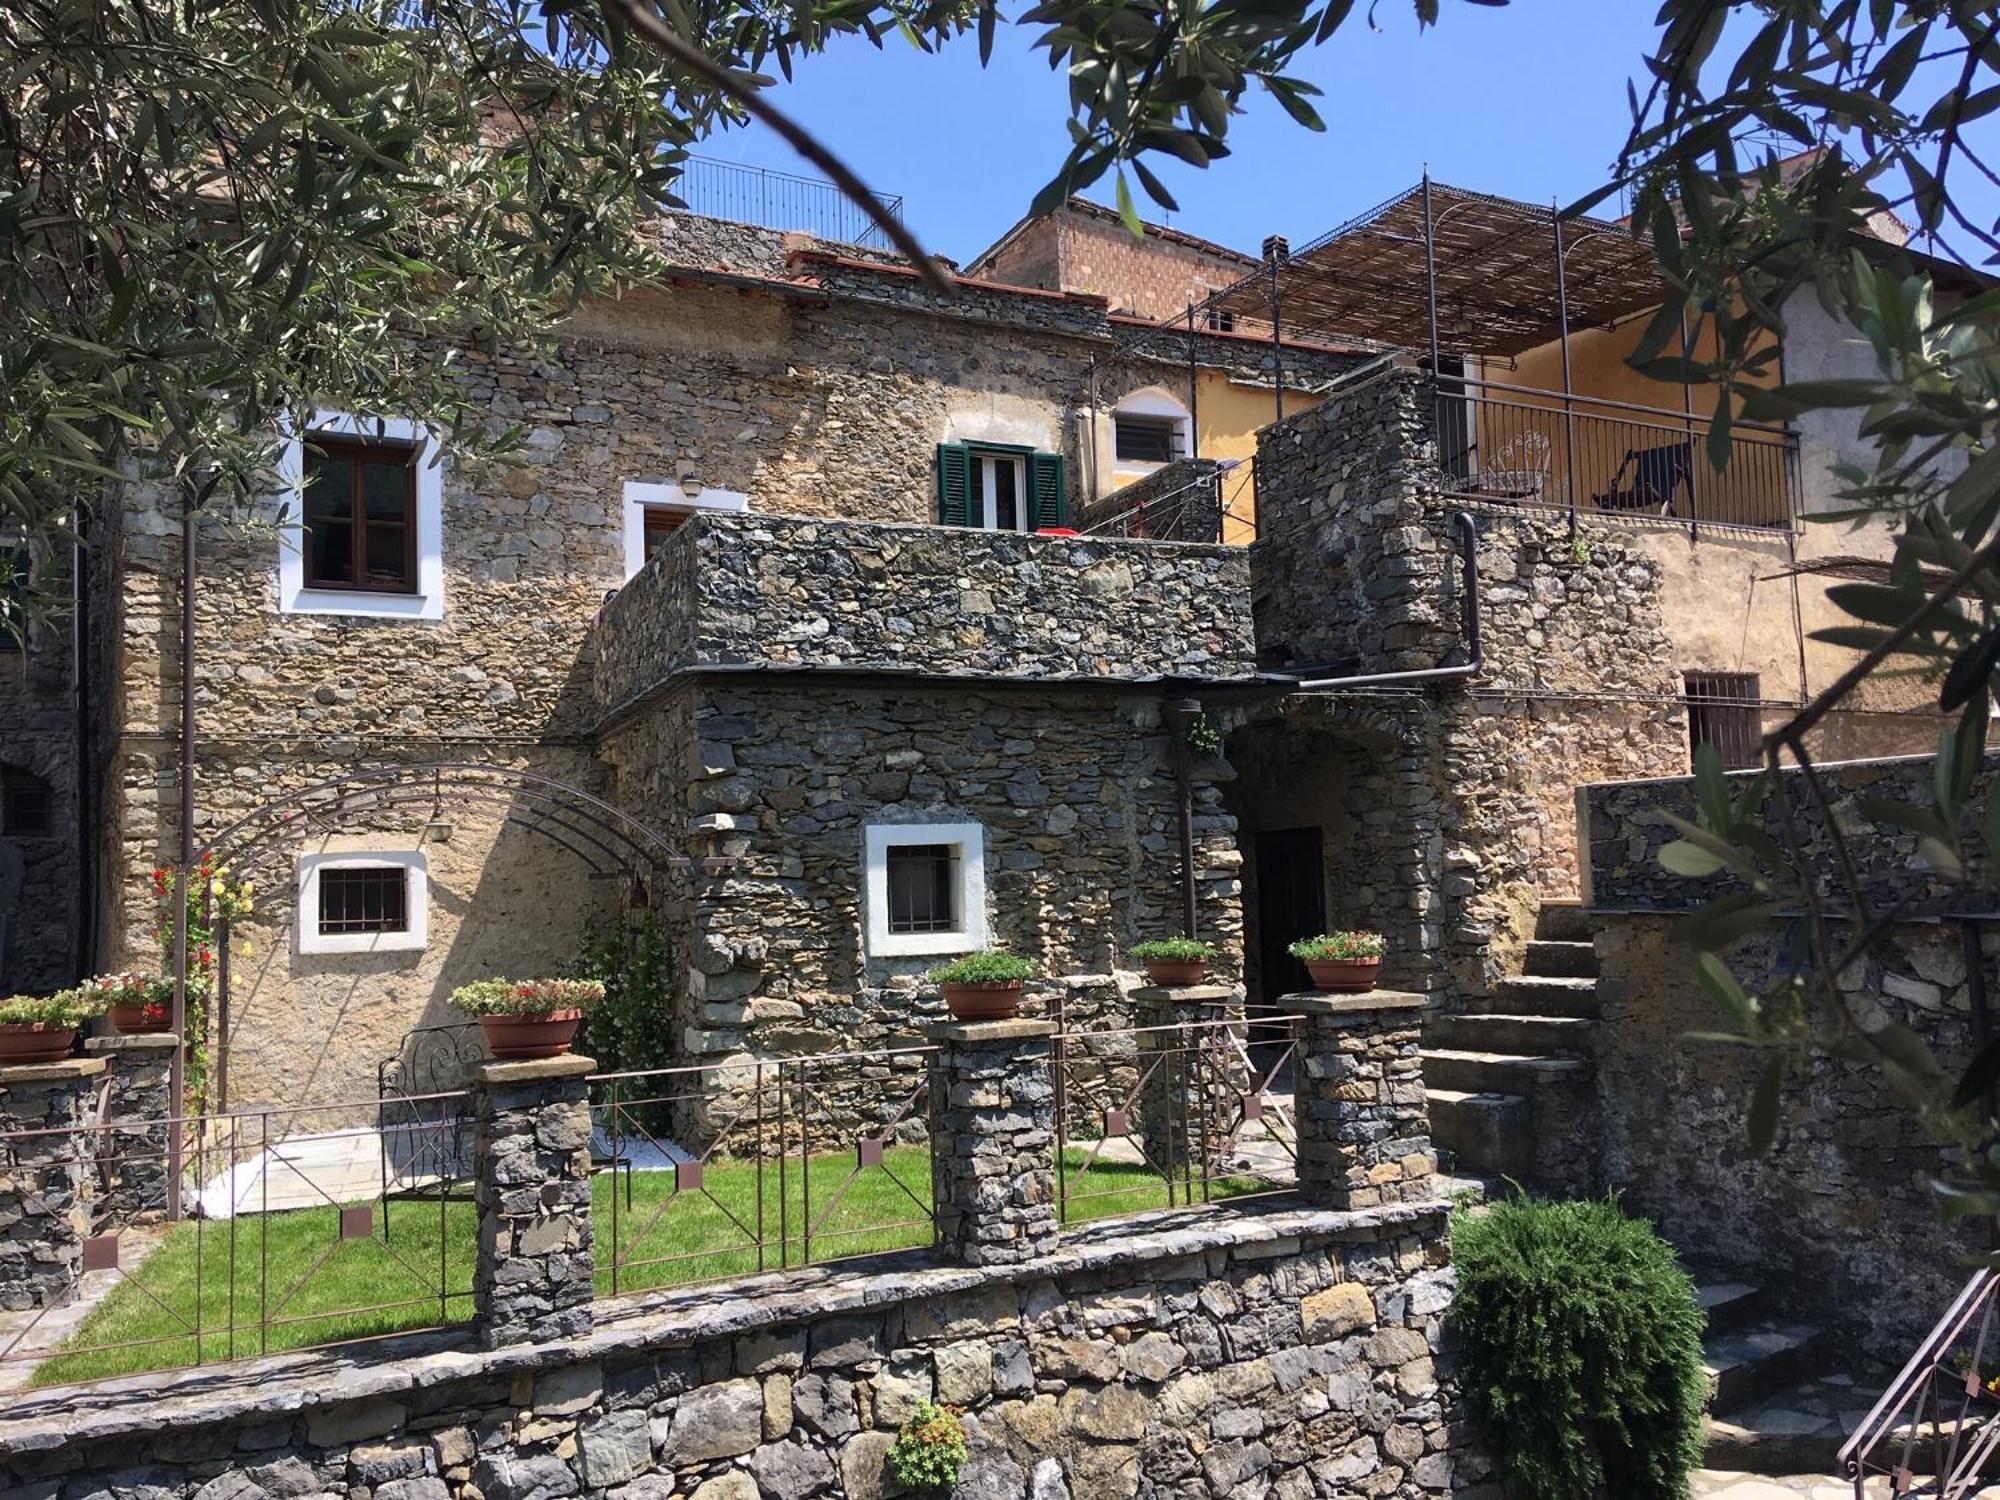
(1184, 994)
(989, 1031)
(145, 1041)
(534, 1069)
(1337, 1003)
(52, 1072)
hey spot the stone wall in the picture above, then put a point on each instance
(1178, 502)
(785, 591)
(1209, 1354)
(1838, 1218)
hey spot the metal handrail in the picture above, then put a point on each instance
(1960, 1453)
(1677, 419)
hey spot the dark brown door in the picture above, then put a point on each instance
(1291, 904)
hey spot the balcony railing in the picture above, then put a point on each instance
(781, 200)
(1611, 458)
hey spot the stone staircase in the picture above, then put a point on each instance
(1782, 1397)
(1523, 1048)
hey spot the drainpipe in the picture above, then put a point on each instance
(1180, 714)
(1475, 651)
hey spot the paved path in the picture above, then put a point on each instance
(1720, 1484)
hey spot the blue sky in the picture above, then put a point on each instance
(1528, 101)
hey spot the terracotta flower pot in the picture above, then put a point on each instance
(984, 1002)
(138, 1018)
(1344, 974)
(542, 1033)
(1176, 973)
(34, 1041)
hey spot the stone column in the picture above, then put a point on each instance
(1193, 1095)
(531, 1182)
(133, 1155)
(1364, 1128)
(46, 1151)
(993, 1165)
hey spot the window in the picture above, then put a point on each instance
(363, 902)
(27, 804)
(360, 514)
(1724, 710)
(1221, 322)
(655, 511)
(364, 898)
(1000, 488)
(924, 888)
(661, 522)
(1145, 439)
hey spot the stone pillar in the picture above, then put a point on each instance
(1364, 1129)
(1193, 1095)
(531, 1182)
(132, 1156)
(46, 1150)
(993, 1165)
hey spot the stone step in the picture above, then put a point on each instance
(1488, 1135)
(1497, 1072)
(1540, 995)
(1562, 921)
(1749, 1363)
(1526, 1036)
(1549, 959)
(1727, 1305)
(1799, 1428)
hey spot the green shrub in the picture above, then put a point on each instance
(1338, 945)
(1581, 1350)
(1175, 950)
(990, 967)
(930, 1449)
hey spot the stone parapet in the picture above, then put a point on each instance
(1364, 1128)
(45, 1178)
(133, 1155)
(532, 1280)
(993, 1103)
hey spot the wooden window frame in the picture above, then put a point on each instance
(360, 451)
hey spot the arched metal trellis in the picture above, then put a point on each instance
(609, 841)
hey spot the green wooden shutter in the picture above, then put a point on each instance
(954, 484)
(1045, 485)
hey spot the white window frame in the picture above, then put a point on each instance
(640, 495)
(427, 603)
(1151, 403)
(416, 902)
(984, 468)
(971, 935)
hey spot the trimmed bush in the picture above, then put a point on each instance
(1174, 950)
(990, 967)
(1581, 1350)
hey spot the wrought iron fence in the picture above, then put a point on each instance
(1936, 1428)
(287, 1245)
(1157, 1117)
(781, 200)
(729, 1168)
(1520, 446)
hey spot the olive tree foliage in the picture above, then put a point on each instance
(216, 215)
(1900, 98)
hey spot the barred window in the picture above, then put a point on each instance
(366, 898)
(923, 888)
(1725, 710)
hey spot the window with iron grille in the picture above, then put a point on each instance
(1725, 710)
(923, 888)
(1146, 440)
(364, 898)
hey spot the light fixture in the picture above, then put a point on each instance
(691, 485)
(437, 831)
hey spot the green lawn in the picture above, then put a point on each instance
(320, 1289)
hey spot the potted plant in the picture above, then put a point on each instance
(1341, 960)
(983, 986)
(42, 1028)
(526, 1018)
(138, 1003)
(929, 1450)
(1175, 961)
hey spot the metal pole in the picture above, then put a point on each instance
(1569, 403)
(1194, 392)
(1431, 271)
(1275, 250)
(177, 1073)
(1687, 406)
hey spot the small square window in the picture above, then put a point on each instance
(1146, 440)
(923, 888)
(27, 805)
(1725, 710)
(368, 898)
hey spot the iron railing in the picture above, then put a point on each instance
(781, 200)
(1190, 512)
(1159, 1117)
(286, 1248)
(1934, 1431)
(724, 1169)
(1613, 459)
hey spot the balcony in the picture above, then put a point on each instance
(749, 593)
(781, 200)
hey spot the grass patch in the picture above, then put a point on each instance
(320, 1289)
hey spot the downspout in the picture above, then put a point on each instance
(84, 776)
(1475, 650)
(1180, 715)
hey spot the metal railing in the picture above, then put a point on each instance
(1934, 1432)
(781, 200)
(1190, 512)
(1160, 1117)
(725, 1169)
(1607, 458)
(286, 1249)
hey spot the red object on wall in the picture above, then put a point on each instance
(1057, 531)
